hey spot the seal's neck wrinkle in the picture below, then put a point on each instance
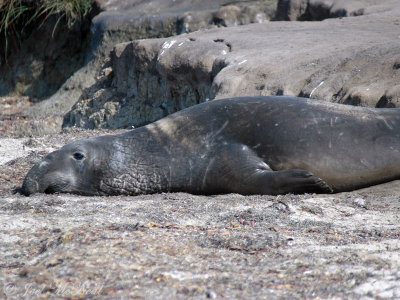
(133, 167)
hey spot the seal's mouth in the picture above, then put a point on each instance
(32, 186)
(50, 190)
(60, 187)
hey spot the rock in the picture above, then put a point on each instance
(317, 10)
(233, 15)
(58, 69)
(44, 59)
(289, 10)
(123, 21)
(360, 202)
(350, 60)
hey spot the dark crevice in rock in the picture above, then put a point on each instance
(260, 87)
(319, 12)
(303, 95)
(218, 65)
(384, 102)
(305, 10)
(352, 100)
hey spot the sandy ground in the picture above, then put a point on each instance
(181, 246)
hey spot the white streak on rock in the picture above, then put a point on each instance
(312, 92)
(165, 46)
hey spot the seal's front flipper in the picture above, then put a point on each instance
(298, 181)
(238, 169)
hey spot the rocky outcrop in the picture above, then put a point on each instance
(350, 60)
(51, 52)
(150, 79)
(317, 10)
(58, 69)
(128, 20)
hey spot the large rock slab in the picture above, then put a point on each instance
(350, 60)
(58, 69)
(317, 10)
(127, 20)
(50, 52)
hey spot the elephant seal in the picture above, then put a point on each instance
(248, 145)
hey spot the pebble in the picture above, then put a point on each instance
(359, 202)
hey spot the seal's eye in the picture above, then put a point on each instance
(78, 156)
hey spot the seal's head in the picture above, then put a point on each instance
(75, 168)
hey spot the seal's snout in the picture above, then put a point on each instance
(31, 183)
(29, 186)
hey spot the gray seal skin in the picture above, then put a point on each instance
(248, 145)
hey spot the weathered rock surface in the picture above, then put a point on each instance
(317, 10)
(49, 55)
(128, 20)
(181, 246)
(351, 60)
(60, 67)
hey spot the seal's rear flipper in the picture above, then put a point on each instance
(238, 169)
